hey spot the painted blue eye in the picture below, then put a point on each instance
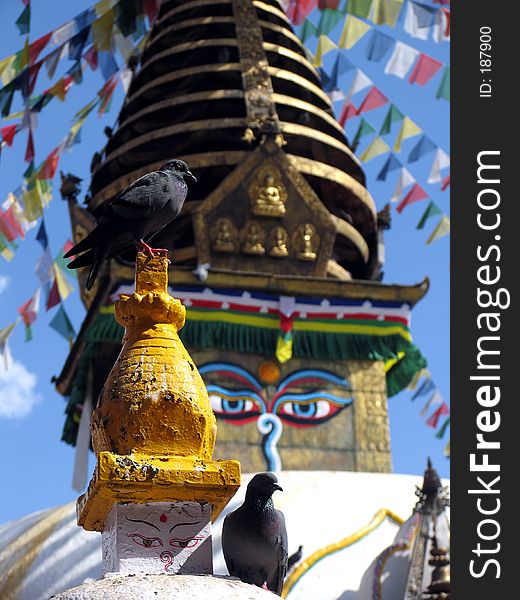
(237, 409)
(236, 406)
(303, 410)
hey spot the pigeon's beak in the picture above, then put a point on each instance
(191, 176)
(277, 487)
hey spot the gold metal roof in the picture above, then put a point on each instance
(212, 71)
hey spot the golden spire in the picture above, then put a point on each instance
(153, 430)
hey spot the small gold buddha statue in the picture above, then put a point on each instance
(306, 241)
(225, 236)
(269, 201)
(253, 237)
(278, 243)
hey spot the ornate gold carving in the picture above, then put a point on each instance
(224, 236)
(278, 243)
(268, 194)
(252, 237)
(306, 242)
(258, 89)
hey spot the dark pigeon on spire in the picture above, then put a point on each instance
(254, 537)
(137, 214)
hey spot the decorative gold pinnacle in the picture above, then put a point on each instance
(153, 430)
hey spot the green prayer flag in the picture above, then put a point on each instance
(360, 8)
(29, 172)
(62, 264)
(393, 115)
(364, 129)
(431, 210)
(28, 333)
(308, 30)
(440, 434)
(386, 12)
(444, 87)
(328, 20)
(24, 20)
(61, 323)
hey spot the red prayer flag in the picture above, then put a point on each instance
(374, 99)
(50, 165)
(54, 296)
(445, 182)
(151, 9)
(91, 56)
(36, 47)
(424, 69)
(348, 111)
(414, 195)
(67, 246)
(29, 310)
(9, 225)
(299, 9)
(447, 14)
(107, 90)
(434, 419)
(8, 134)
(33, 75)
(29, 152)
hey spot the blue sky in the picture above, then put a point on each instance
(37, 466)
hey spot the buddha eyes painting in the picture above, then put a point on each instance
(303, 399)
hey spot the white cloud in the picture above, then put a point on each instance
(4, 282)
(17, 390)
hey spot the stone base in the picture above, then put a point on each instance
(166, 587)
(139, 479)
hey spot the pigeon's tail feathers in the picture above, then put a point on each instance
(90, 241)
(83, 260)
(295, 558)
(99, 257)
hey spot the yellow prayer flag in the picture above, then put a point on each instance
(7, 71)
(408, 130)
(59, 89)
(325, 45)
(24, 58)
(75, 128)
(441, 229)
(386, 12)
(12, 116)
(33, 203)
(283, 349)
(422, 373)
(102, 31)
(8, 254)
(102, 6)
(64, 286)
(353, 30)
(377, 147)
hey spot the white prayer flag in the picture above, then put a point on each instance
(360, 82)
(401, 60)
(413, 22)
(440, 161)
(405, 179)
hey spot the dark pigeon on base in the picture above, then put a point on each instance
(137, 214)
(254, 537)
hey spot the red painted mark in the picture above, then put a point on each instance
(167, 557)
(163, 518)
